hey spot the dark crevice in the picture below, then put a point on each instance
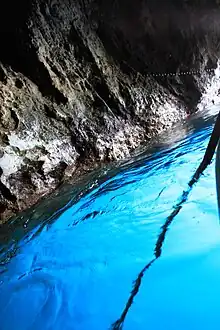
(58, 172)
(129, 104)
(3, 77)
(39, 168)
(53, 68)
(85, 148)
(34, 166)
(18, 83)
(26, 178)
(27, 170)
(83, 141)
(215, 137)
(103, 92)
(49, 112)
(81, 51)
(79, 143)
(4, 138)
(15, 118)
(5, 192)
(3, 207)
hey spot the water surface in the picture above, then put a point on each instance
(75, 269)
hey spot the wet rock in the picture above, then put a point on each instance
(87, 81)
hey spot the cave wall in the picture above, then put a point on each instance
(78, 84)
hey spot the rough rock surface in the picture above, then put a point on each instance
(85, 81)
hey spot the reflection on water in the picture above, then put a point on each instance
(74, 269)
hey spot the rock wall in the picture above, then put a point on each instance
(86, 81)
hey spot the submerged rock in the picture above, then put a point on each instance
(87, 81)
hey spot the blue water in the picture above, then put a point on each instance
(76, 269)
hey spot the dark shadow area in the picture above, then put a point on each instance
(143, 36)
(163, 36)
(17, 49)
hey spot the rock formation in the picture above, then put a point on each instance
(87, 81)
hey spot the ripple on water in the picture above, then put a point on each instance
(35, 298)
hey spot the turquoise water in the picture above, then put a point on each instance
(76, 269)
